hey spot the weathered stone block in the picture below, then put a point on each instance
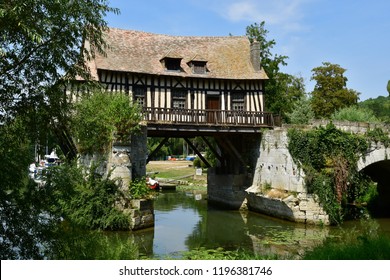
(142, 204)
(142, 214)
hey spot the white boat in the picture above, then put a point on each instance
(37, 172)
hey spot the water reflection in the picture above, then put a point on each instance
(172, 229)
(183, 222)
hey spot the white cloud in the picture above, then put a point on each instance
(285, 13)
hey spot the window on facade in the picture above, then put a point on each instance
(172, 64)
(238, 101)
(179, 98)
(199, 67)
(139, 95)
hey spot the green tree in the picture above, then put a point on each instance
(302, 112)
(282, 89)
(388, 87)
(330, 92)
(21, 228)
(41, 49)
(291, 91)
(101, 117)
(380, 106)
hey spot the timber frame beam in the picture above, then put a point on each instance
(155, 151)
(197, 152)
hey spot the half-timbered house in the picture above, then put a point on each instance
(186, 79)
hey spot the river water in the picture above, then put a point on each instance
(184, 221)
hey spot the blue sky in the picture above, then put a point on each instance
(352, 33)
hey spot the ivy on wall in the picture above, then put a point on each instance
(329, 157)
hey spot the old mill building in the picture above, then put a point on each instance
(186, 79)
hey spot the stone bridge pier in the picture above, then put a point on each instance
(272, 183)
(278, 188)
(226, 183)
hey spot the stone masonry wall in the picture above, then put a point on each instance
(275, 167)
(278, 187)
(226, 189)
(141, 214)
(128, 160)
(139, 151)
(124, 162)
(353, 127)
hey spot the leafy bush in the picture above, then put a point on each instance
(84, 200)
(378, 135)
(102, 117)
(139, 189)
(370, 193)
(355, 114)
(125, 116)
(198, 163)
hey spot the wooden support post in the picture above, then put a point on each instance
(224, 146)
(155, 151)
(228, 147)
(235, 152)
(197, 152)
(212, 149)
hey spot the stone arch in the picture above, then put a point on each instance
(376, 164)
(377, 154)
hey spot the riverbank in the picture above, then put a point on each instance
(181, 173)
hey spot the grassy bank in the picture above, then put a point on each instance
(373, 248)
(363, 248)
(177, 170)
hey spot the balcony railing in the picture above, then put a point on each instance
(209, 117)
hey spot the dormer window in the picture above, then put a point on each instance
(198, 66)
(172, 64)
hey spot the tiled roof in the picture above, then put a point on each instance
(140, 52)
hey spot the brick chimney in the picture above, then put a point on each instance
(255, 55)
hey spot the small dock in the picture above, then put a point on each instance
(167, 186)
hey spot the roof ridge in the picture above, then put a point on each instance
(177, 36)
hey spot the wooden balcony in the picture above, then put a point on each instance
(203, 122)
